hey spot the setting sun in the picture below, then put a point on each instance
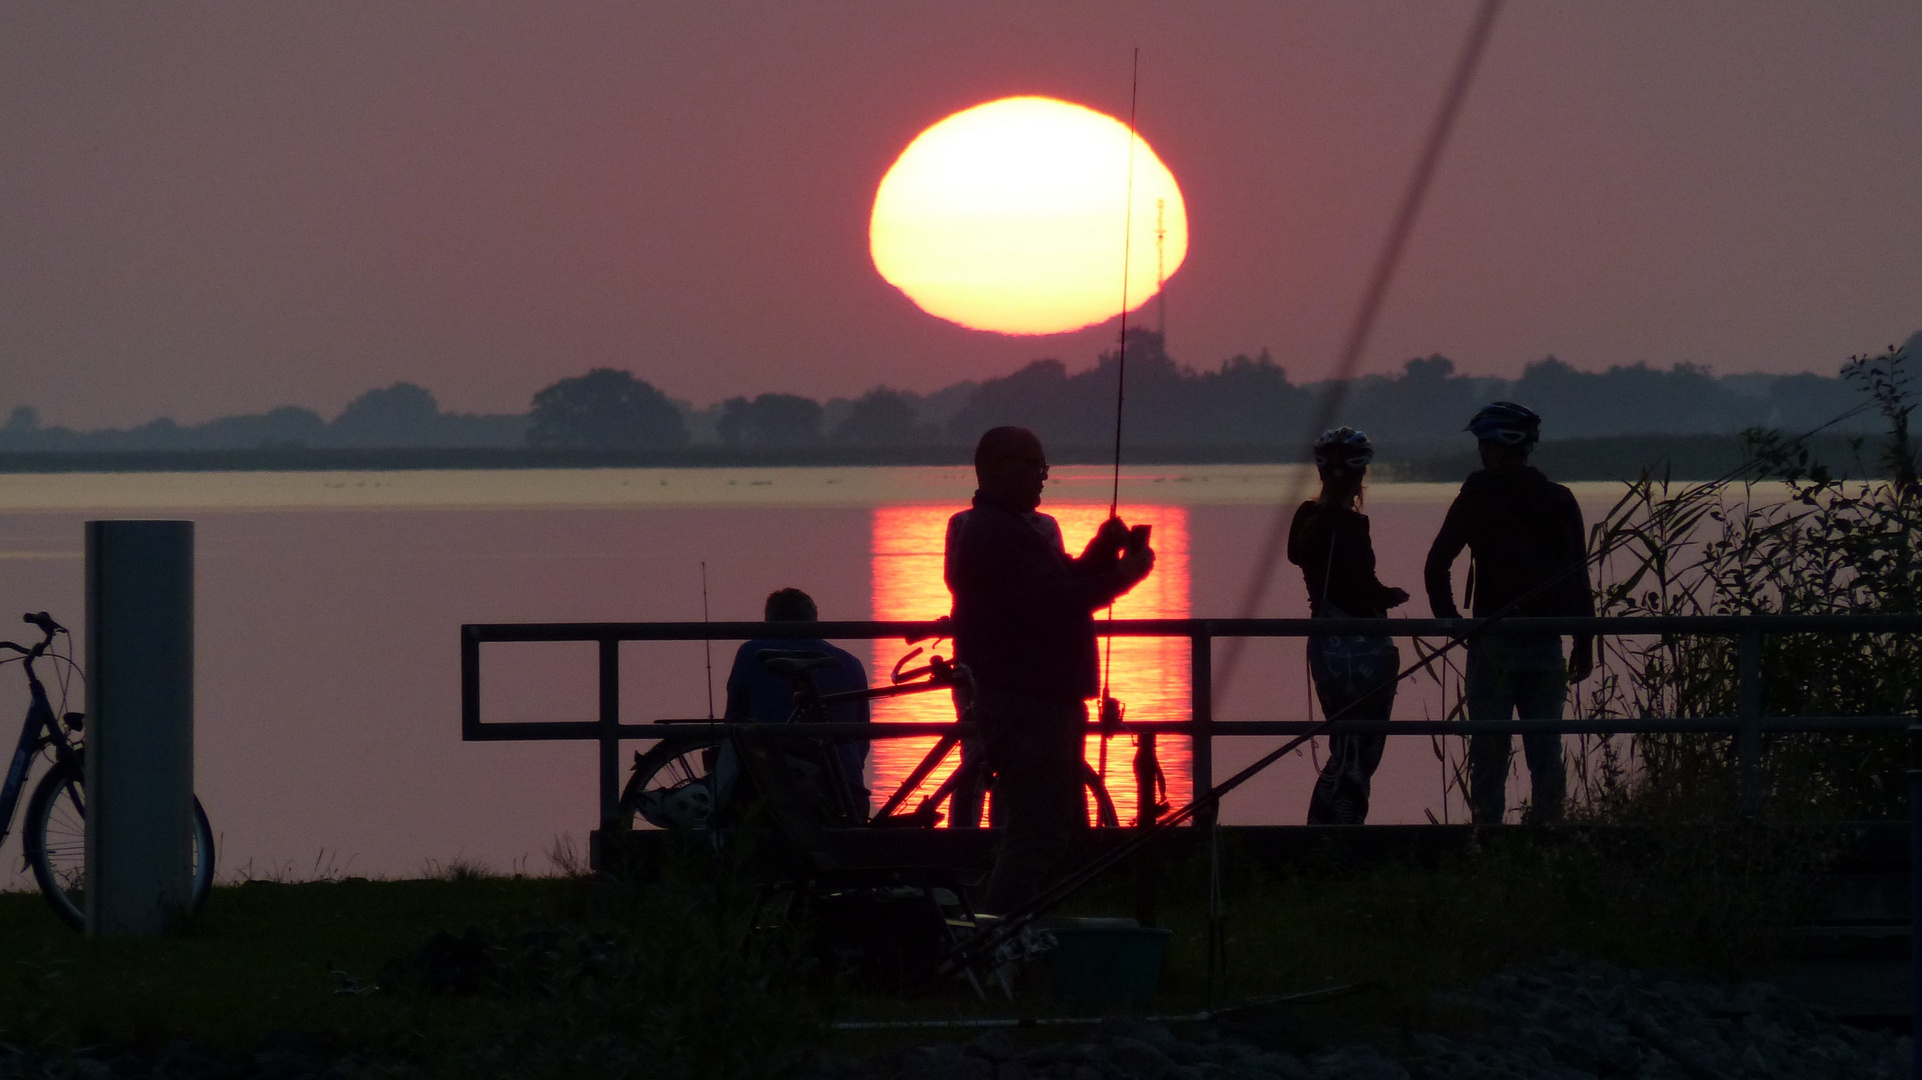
(1009, 217)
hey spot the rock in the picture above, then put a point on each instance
(1157, 1036)
(1133, 1057)
(944, 1061)
(1227, 1052)
(1567, 1019)
(1186, 1053)
(1277, 1063)
(1358, 1063)
(1042, 1058)
(996, 1045)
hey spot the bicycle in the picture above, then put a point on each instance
(673, 783)
(54, 843)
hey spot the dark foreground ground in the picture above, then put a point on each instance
(1511, 960)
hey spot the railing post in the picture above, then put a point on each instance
(1146, 766)
(1748, 743)
(1201, 714)
(610, 734)
(1915, 897)
(140, 734)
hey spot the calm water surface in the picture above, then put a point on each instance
(329, 604)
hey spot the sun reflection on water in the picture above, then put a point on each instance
(1149, 675)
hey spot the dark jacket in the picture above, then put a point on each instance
(1524, 532)
(1337, 560)
(756, 694)
(1023, 610)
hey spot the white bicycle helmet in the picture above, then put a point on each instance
(1344, 448)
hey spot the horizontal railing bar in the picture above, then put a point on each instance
(1246, 628)
(533, 731)
(1656, 726)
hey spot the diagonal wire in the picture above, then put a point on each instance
(1372, 298)
(1360, 330)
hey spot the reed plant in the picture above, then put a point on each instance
(1787, 536)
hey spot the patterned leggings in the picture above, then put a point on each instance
(1340, 796)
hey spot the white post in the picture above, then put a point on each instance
(140, 705)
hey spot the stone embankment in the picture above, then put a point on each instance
(1567, 1020)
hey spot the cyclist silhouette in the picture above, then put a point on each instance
(1525, 536)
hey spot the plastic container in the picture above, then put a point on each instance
(1105, 962)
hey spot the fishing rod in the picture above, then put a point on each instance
(1127, 243)
(1110, 717)
(984, 943)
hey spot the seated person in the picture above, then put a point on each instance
(757, 695)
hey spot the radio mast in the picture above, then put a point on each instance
(1161, 297)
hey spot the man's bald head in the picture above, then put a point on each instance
(1010, 466)
(997, 443)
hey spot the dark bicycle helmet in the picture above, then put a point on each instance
(1344, 448)
(1506, 423)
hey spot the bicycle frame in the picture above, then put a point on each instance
(42, 729)
(812, 705)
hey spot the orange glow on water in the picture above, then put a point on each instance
(1149, 675)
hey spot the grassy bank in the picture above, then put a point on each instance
(260, 958)
(607, 970)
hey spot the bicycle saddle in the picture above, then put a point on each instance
(790, 664)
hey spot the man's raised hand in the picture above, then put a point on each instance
(1136, 563)
(1109, 540)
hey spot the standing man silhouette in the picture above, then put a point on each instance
(1529, 557)
(1024, 624)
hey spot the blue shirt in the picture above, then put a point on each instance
(757, 695)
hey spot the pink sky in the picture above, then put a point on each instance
(214, 208)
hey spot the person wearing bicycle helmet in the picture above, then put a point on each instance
(1528, 557)
(1354, 675)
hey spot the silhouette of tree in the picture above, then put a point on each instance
(604, 409)
(882, 417)
(770, 420)
(289, 425)
(1246, 402)
(401, 415)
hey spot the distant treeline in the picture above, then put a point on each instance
(1245, 408)
(400, 416)
(1621, 457)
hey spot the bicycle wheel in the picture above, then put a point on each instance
(1093, 790)
(672, 785)
(1104, 815)
(55, 844)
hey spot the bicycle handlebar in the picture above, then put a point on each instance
(34, 652)
(874, 692)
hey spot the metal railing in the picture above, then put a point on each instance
(1748, 725)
